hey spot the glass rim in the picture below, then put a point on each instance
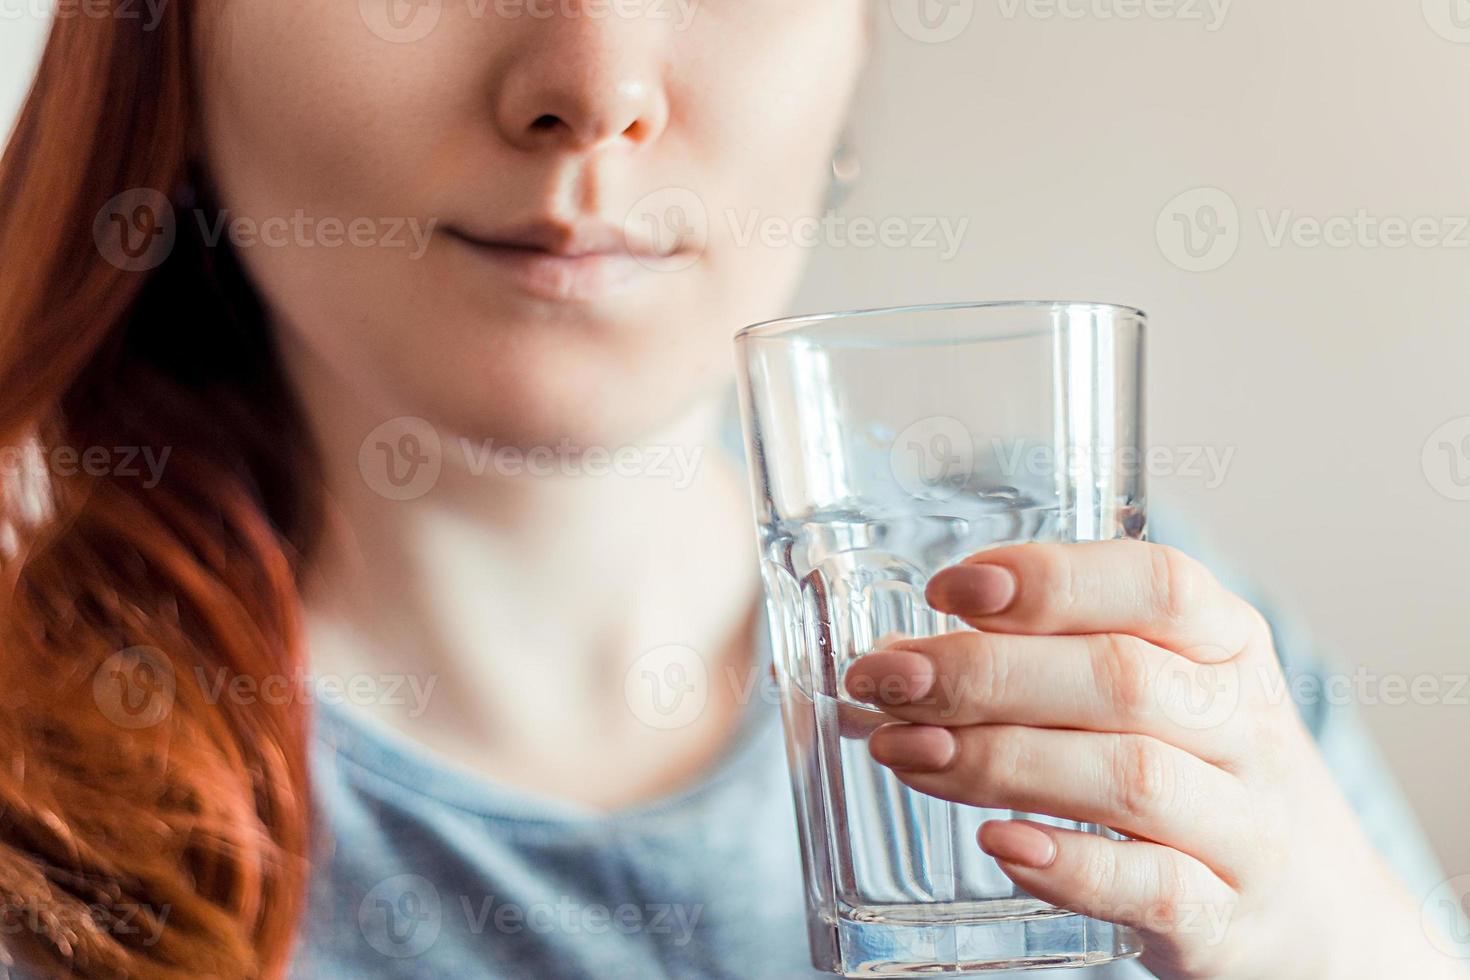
(786, 329)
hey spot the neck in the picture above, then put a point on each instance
(502, 600)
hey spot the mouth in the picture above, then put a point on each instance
(572, 261)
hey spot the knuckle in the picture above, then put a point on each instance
(1172, 893)
(1121, 673)
(1140, 776)
(976, 674)
(1059, 582)
(1269, 731)
(1002, 762)
(1097, 874)
(1260, 626)
(1178, 583)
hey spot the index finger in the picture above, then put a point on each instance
(1150, 591)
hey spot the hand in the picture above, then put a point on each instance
(1119, 683)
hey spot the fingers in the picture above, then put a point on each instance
(1182, 909)
(1103, 683)
(1135, 784)
(1146, 590)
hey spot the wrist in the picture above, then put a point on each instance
(1377, 931)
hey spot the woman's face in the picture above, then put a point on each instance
(528, 219)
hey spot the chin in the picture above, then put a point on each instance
(567, 407)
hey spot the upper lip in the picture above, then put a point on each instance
(575, 238)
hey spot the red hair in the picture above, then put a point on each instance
(172, 844)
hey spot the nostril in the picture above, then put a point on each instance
(551, 126)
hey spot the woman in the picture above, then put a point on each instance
(370, 285)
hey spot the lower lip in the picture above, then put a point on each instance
(565, 278)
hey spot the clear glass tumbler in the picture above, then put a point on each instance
(883, 446)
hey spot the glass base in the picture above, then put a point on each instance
(868, 943)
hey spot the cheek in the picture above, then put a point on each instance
(305, 108)
(775, 101)
(772, 141)
(309, 117)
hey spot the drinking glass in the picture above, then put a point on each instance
(883, 446)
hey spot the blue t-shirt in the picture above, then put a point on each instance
(428, 870)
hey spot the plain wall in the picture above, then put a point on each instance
(22, 32)
(1066, 142)
(1074, 145)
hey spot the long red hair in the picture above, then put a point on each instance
(172, 843)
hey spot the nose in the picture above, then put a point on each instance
(584, 83)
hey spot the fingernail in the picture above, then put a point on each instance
(912, 748)
(890, 677)
(1018, 843)
(972, 590)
